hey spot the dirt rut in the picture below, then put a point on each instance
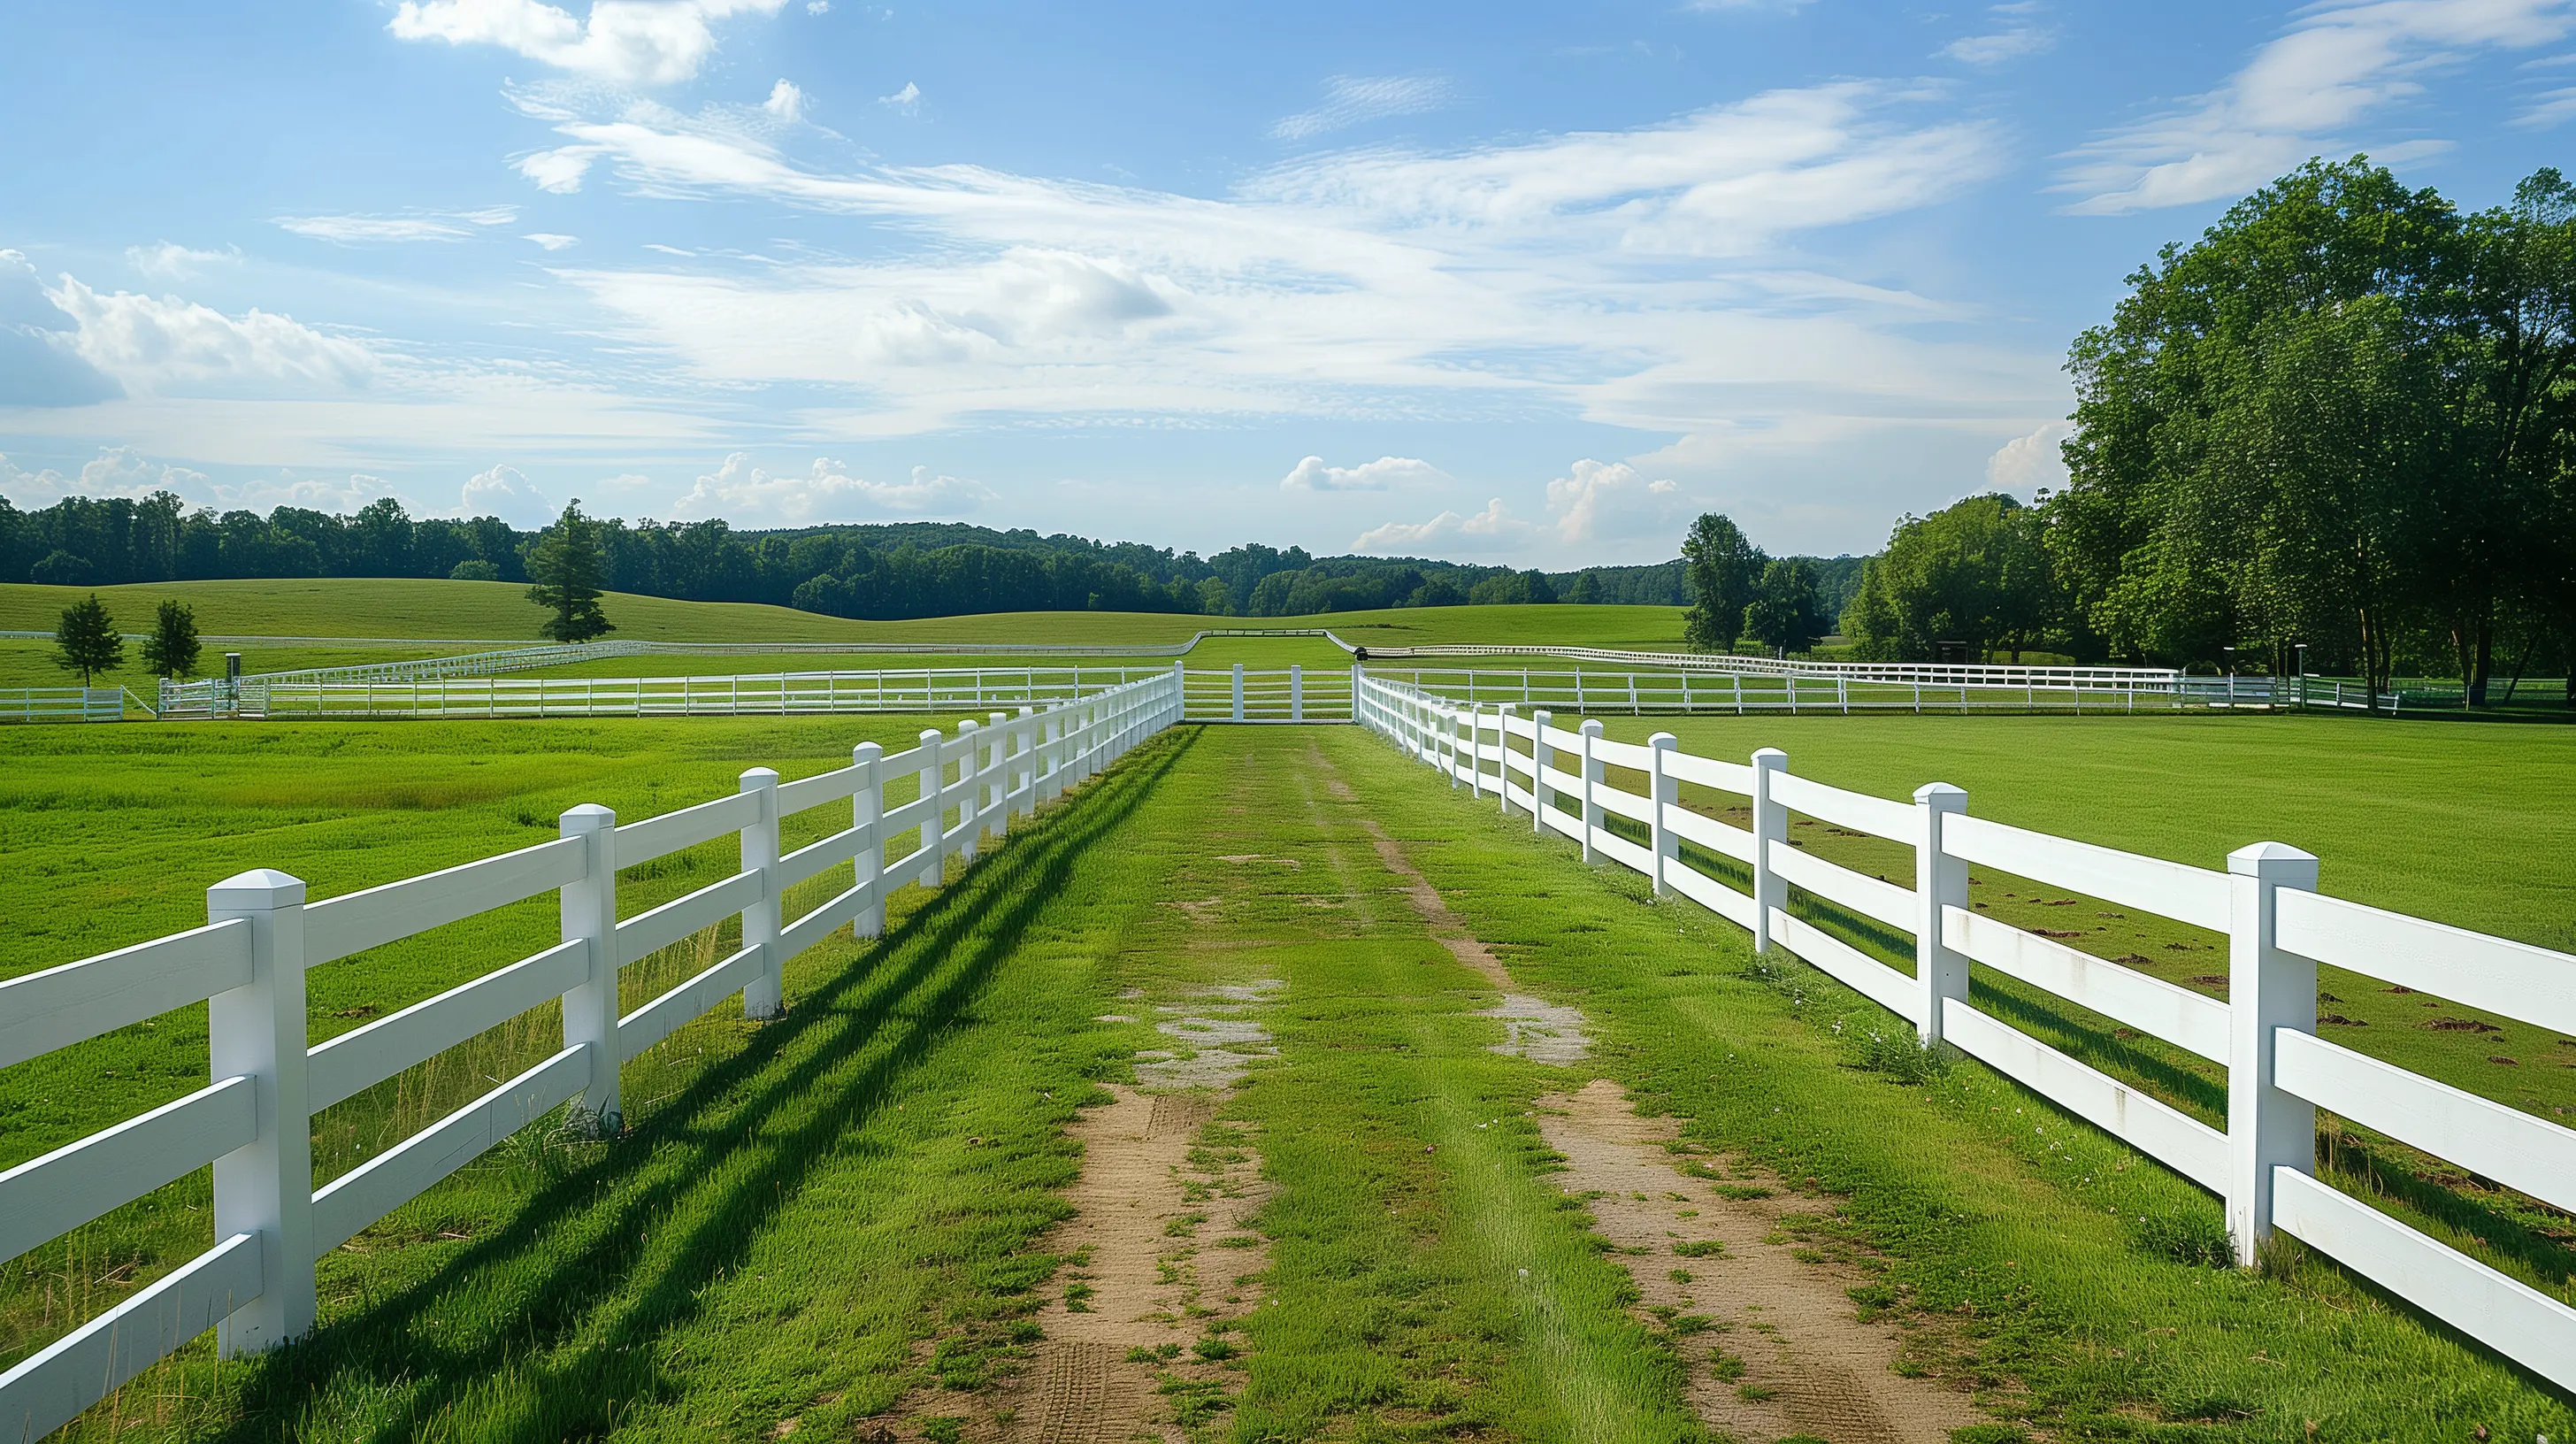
(1808, 1365)
(1164, 1255)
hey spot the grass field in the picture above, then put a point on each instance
(842, 1219)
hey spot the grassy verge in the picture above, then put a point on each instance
(2070, 1273)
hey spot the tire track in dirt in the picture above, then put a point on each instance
(1788, 1353)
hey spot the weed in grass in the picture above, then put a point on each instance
(2194, 1237)
(1700, 1248)
(1727, 1367)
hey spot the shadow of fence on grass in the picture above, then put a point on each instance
(565, 1260)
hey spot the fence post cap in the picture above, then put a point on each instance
(2276, 862)
(867, 752)
(588, 817)
(1770, 757)
(1942, 797)
(1664, 740)
(1542, 715)
(755, 778)
(965, 724)
(929, 734)
(259, 889)
(998, 718)
(1591, 726)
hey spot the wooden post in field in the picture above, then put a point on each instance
(1238, 691)
(1940, 881)
(1770, 828)
(867, 865)
(1591, 783)
(1664, 791)
(1296, 692)
(2267, 989)
(997, 790)
(969, 796)
(1052, 763)
(266, 1185)
(588, 910)
(934, 829)
(762, 991)
(1542, 796)
(1503, 761)
(1024, 751)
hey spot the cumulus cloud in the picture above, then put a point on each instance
(2025, 464)
(785, 102)
(746, 495)
(409, 226)
(1352, 99)
(331, 494)
(2300, 95)
(551, 240)
(907, 100)
(1492, 529)
(153, 344)
(1312, 474)
(170, 261)
(1611, 501)
(115, 471)
(630, 42)
(504, 493)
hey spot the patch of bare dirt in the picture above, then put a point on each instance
(1536, 1029)
(1775, 1342)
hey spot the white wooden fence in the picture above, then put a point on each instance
(66, 704)
(776, 694)
(2279, 1072)
(253, 1123)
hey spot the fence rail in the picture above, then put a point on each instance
(254, 1121)
(2279, 929)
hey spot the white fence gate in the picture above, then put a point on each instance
(253, 1123)
(2279, 1072)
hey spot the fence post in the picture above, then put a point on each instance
(1456, 742)
(867, 864)
(1665, 790)
(970, 795)
(762, 991)
(1024, 749)
(1238, 691)
(1296, 692)
(2267, 989)
(588, 909)
(1052, 763)
(1503, 763)
(934, 828)
(266, 1185)
(997, 792)
(1542, 797)
(1591, 784)
(1770, 825)
(1940, 880)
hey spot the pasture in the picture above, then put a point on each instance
(1379, 1217)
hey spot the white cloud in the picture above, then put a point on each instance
(340, 496)
(818, 7)
(170, 261)
(629, 42)
(1994, 48)
(2026, 463)
(907, 100)
(748, 496)
(2549, 108)
(1352, 99)
(1492, 529)
(152, 345)
(504, 493)
(1312, 474)
(551, 240)
(785, 102)
(410, 226)
(115, 471)
(1611, 501)
(2299, 96)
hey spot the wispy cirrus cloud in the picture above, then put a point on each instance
(399, 228)
(2333, 69)
(1352, 99)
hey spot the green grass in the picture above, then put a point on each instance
(2061, 1264)
(815, 1217)
(379, 607)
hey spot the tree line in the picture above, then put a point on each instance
(889, 571)
(2338, 430)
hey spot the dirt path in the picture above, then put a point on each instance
(1785, 1351)
(1163, 1255)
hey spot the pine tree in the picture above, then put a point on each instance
(566, 567)
(87, 642)
(171, 650)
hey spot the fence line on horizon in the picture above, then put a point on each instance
(253, 1123)
(2279, 929)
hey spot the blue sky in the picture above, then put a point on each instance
(1507, 283)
